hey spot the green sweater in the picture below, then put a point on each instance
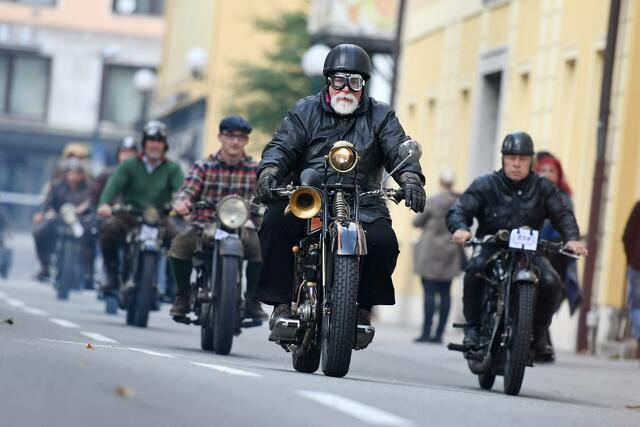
(140, 188)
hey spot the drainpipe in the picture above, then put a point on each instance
(396, 52)
(599, 177)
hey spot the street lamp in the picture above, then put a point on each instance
(196, 62)
(312, 64)
(144, 80)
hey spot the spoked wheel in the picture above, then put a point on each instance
(146, 295)
(339, 325)
(225, 310)
(517, 353)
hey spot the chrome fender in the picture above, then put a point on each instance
(347, 238)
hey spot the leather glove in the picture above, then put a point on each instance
(265, 184)
(414, 194)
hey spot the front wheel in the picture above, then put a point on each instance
(206, 329)
(339, 325)
(226, 305)
(517, 353)
(67, 269)
(145, 293)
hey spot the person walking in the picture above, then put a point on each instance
(437, 259)
(631, 240)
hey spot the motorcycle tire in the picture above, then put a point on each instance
(517, 353)
(206, 329)
(486, 381)
(146, 295)
(225, 309)
(339, 326)
(67, 266)
(308, 362)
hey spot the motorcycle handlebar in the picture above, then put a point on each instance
(502, 237)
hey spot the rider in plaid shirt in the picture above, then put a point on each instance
(229, 171)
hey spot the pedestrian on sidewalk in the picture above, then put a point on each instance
(631, 240)
(437, 259)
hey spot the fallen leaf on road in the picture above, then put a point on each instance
(89, 347)
(83, 364)
(632, 406)
(9, 321)
(124, 391)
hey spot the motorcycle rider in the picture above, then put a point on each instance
(148, 180)
(228, 171)
(72, 188)
(341, 111)
(510, 198)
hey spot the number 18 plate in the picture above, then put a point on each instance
(524, 239)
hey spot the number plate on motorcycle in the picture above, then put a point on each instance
(524, 239)
(148, 233)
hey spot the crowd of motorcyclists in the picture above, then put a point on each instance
(515, 196)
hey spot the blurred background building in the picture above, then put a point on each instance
(67, 72)
(474, 70)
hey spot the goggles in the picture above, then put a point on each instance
(339, 80)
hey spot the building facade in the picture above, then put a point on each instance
(66, 74)
(474, 70)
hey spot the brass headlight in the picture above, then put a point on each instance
(343, 157)
(233, 211)
(151, 216)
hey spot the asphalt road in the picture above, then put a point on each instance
(159, 376)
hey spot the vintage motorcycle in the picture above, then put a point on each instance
(144, 245)
(508, 306)
(216, 293)
(327, 263)
(72, 230)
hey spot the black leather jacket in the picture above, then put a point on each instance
(311, 127)
(499, 203)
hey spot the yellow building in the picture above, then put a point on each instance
(223, 33)
(474, 70)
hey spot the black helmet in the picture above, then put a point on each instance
(518, 143)
(128, 143)
(349, 58)
(155, 129)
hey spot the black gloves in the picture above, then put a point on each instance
(265, 184)
(414, 195)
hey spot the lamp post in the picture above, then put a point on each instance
(196, 62)
(312, 64)
(144, 80)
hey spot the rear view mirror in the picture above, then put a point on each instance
(411, 150)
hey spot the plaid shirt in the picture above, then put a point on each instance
(211, 180)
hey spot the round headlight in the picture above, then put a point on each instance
(233, 211)
(343, 157)
(68, 213)
(151, 216)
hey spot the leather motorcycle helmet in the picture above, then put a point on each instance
(349, 58)
(157, 130)
(518, 143)
(128, 143)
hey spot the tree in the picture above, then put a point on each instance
(266, 92)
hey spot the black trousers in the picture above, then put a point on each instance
(549, 289)
(279, 233)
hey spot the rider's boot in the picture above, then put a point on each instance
(471, 335)
(112, 286)
(364, 317)
(542, 350)
(181, 305)
(253, 310)
(280, 311)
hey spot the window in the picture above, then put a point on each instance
(34, 2)
(121, 102)
(24, 84)
(139, 7)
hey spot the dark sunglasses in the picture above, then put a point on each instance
(339, 80)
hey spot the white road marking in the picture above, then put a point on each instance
(358, 410)
(98, 337)
(63, 323)
(16, 302)
(227, 370)
(35, 311)
(149, 352)
(84, 344)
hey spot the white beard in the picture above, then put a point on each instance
(341, 107)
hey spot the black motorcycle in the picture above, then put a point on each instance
(216, 293)
(144, 247)
(508, 305)
(6, 256)
(327, 264)
(72, 231)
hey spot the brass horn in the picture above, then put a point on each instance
(305, 202)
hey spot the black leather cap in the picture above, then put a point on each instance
(518, 143)
(348, 58)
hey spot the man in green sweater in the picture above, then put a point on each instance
(145, 181)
